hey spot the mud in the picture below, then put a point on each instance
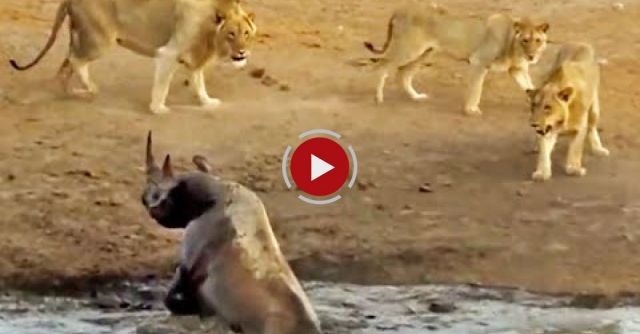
(343, 308)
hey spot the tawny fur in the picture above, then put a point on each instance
(499, 43)
(193, 33)
(567, 103)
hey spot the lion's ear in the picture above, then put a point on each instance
(566, 94)
(543, 27)
(531, 93)
(219, 18)
(517, 26)
(252, 16)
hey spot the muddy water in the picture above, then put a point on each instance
(342, 308)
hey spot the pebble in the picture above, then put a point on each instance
(257, 73)
(425, 188)
(442, 307)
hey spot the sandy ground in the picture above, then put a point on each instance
(71, 170)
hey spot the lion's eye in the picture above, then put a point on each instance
(231, 35)
(538, 40)
(246, 34)
(526, 40)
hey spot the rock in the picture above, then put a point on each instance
(522, 192)
(425, 188)
(618, 6)
(592, 301)
(83, 172)
(442, 307)
(257, 73)
(269, 81)
(444, 180)
(285, 87)
(364, 185)
(182, 325)
(60, 194)
(148, 294)
(107, 302)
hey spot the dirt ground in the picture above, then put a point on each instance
(71, 170)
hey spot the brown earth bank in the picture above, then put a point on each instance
(71, 170)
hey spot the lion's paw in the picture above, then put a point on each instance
(540, 175)
(210, 103)
(420, 97)
(576, 171)
(159, 110)
(473, 111)
(601, 152)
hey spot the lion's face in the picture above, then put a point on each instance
(550, 108)
(532, 39)
(237, 30)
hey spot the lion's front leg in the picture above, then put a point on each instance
(166, 64)
(199, 86)
(574, 155)
(522, 77)
(477, 73)
(545, 148)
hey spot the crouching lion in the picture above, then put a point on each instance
(567, 103)
(188, 32)
(231, 264)
(499, 43)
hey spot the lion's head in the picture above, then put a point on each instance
(550, 108)
(531, 38)
(236, 31)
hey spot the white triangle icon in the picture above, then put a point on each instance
(319, 167)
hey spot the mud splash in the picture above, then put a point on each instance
(343, 309)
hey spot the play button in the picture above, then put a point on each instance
(319, 167)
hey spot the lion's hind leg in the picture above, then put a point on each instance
(384, 74)
(81, 67)
(408, 71)
(64, 75)
(85, 47)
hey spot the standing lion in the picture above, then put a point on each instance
(189, 32)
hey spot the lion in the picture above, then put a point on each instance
(499, 43)
(567, 102)
(193, 33)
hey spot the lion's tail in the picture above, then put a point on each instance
(63, 11)
(375, 50)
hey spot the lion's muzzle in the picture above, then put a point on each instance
(239, 59)
(542, 130)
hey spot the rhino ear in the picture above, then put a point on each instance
(167, 170)
(153, 171)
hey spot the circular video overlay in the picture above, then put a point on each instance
(320, 167)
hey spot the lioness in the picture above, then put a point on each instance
(499, 43)
(188, 32)
(231, 264)
(567, 103)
